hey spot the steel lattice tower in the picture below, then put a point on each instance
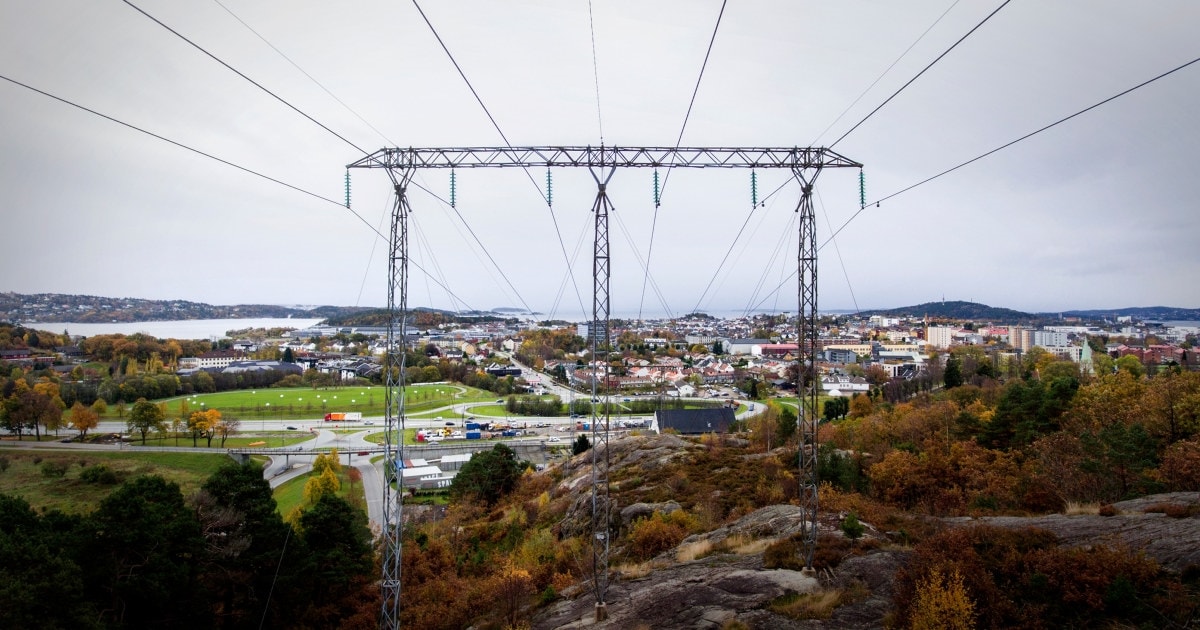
(401, 165)
(601, 338)
(393, 498)
(807, 382)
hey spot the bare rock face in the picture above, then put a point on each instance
(1173, 542)
(705, 593)
(645, 510)
(647, 451)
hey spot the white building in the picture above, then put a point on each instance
(939, 336)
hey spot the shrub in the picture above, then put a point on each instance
(37, 459)
(784, 554)
(4, 464)
(851, 527)
(652, 536)
(54, 468)
(943, 603)
(99, 475)
(1022, 578)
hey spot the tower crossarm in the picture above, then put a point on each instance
(793, 158)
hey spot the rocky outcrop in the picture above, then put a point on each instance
(1173, 542)
(705, 593)
(645, 510)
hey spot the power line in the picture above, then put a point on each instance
(678, 141)
(478, 99)
(364, 121)
(240, 74)
(222, 161)
(725, 258)
(302, 71)
(910, 81)
(884, 73)
(193, 150)
(1009, 144)
(595, 71)
(838, 250)
(996, 150)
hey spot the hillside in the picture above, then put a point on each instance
(955, 310)
(58, 307)
(963, 311)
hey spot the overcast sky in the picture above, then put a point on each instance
(1098, 212)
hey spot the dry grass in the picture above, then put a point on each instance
(818, 605)
(692, 551)
(633, 571)
(1173, 510)
(1075, 509)
(745, 546)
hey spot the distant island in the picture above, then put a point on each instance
(91, 309)
(962, 311)
(58, 307)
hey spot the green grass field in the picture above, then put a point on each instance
(305, 403)
(24, 476)
(290, 495)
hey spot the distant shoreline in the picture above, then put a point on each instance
(175, 329)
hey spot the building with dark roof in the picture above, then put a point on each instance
(693, 421)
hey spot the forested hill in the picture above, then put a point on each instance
(962, 311)
(47, 307)
(419, 316)
(1146, 313)
(957, 310)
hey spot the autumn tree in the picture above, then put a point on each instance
(511, 588)
(204, 424)
(227, 427)
(942, 603)
(321, 484)
(83, 419)
(764, 428)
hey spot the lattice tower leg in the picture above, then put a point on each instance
(807, 384)
(393, 498)
(601, 343)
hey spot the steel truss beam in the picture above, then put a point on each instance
(598, 157)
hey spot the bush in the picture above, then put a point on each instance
(54, 468)
(652, 536)
(851, 527)
(99, 475)
(1023, 578)
(784, 554)
(4, 464)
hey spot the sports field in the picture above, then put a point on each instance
(306, 403)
